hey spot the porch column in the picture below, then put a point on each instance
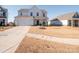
(72, 23)
(34, 22)
(78, 23)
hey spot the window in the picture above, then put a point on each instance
(3, 14)
(21, 14)
(0, 9)
(37, 14)
(31, 14)
(43, 14)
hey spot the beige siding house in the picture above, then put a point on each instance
(32, 16)
(69, 19)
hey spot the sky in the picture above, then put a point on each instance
(52, 10)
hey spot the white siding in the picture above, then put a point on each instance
(64, 22)
(27, 13)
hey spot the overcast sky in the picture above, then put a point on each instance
(53, 10)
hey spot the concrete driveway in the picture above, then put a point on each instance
(10, 39)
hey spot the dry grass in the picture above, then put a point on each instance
(59, 31)
(33, 45)
(2, 28)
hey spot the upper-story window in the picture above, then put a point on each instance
(21, 14)
(37, 14)
(1, 14)
(0, 9)
(43, 14)
(31, 14)
(4, 14)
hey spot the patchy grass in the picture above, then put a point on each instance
(33, 45)
(57, 31)
(2, 28)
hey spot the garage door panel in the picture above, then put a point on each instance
(24, 22)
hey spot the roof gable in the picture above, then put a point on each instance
(55, 19)
(68, 16)
(76, 15)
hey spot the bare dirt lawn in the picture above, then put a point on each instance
(33, 45)
(57, 31)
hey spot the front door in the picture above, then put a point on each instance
(76, 23)
(2, 22)
(37, 23)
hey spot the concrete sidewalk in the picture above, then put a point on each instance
(55, 39)
(10, 39)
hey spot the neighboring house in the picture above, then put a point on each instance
(56, 22)
(3, 16)
(33, 16)
(69, 19)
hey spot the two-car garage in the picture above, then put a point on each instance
(23, 21)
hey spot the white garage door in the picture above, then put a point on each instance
(24, 22)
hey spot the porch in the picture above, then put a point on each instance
(2, 22)
(40, 22)
(74, 23)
